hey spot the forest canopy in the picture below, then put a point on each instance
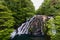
(15, 12)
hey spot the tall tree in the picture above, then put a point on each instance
(6, 21)
(50, 7)
(54, 28)
(13, 13)
(23, 9)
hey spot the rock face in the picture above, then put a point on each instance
(37, 25)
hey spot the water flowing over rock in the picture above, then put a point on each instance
(23, 29)
(34, 26)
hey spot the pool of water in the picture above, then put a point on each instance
(28, 37)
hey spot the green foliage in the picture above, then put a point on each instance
(5, 34)
(6, 21)
(57, 23)
(51, 26)
(23, 9)
(50, 7)
(12, 14)
(56, 27)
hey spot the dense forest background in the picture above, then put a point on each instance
(14, 12)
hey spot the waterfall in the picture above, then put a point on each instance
(23, 29)
(36, 24)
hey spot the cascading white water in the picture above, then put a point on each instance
(35, 22)
(23, 29)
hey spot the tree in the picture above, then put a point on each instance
(54, 31)
(6, 21)
(13, 13)
(23, 9)
(50, 7)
